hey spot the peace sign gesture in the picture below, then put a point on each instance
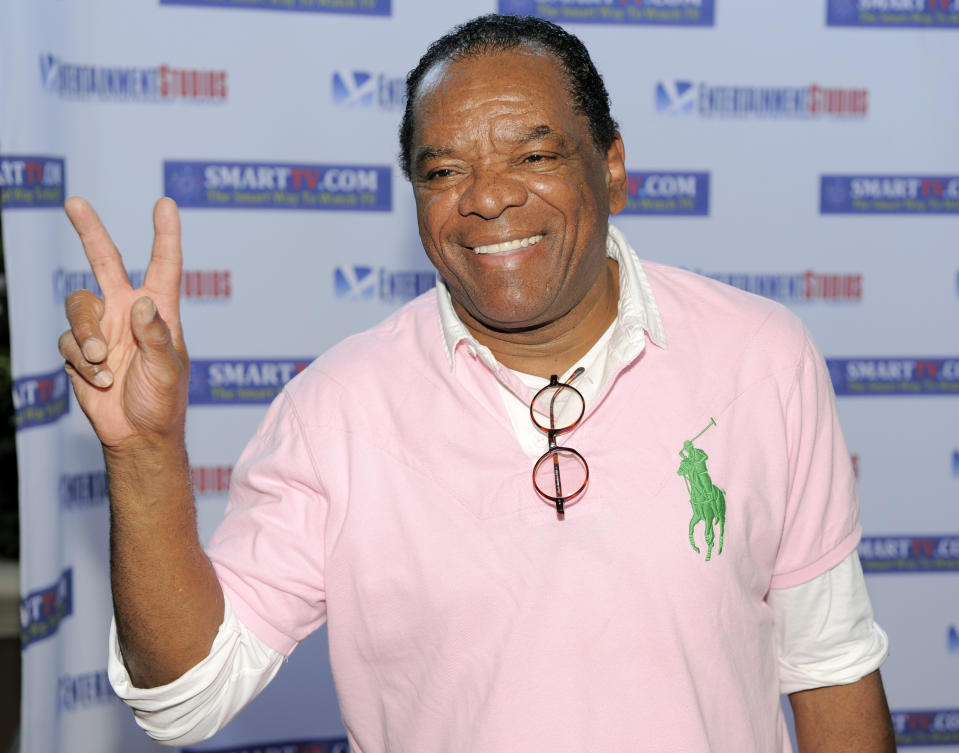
(125, 352)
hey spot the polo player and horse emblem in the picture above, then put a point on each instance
(708, 500)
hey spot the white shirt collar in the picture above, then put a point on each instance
(637, 315)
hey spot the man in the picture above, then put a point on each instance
(388, 491)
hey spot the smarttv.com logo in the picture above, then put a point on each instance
(894, 14)
(889, 194)
(927, 727)
(685, 98)
(241, 381)
(32, 182)
(909, 554)
(365, 89)
(894, 376)
(797, 287)
(42, 611)
(334, 745)
(656, 12)
(162, 83)
(275, 185)
(360, 7)
(359, 283)
(40, 399)
(667, 193)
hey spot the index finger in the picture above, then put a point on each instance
(166, 258)
(105, 260)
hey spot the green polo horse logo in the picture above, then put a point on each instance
(708, 500)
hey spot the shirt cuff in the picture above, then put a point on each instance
(825, 631)
(201, 701)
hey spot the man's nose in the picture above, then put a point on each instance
(490, 192)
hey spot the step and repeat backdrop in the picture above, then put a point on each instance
(803, 151)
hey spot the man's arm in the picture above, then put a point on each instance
(844, 718)
(130, 372)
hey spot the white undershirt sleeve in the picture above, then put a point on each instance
(825, 631)
(200, 702)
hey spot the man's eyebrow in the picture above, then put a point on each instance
(427, 153)
(538, 133)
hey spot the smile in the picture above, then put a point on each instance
(498, 248)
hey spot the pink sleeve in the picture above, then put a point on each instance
(269, 549)
(821, 524)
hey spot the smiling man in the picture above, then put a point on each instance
(390, 493)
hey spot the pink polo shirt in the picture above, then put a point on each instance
(388, 495)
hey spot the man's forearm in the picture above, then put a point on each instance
(167, 600)
(842, 718)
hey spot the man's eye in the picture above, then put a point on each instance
(442, 172)
(536, 159)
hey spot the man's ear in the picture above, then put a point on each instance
(616, 174)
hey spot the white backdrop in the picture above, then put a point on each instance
(805, 151)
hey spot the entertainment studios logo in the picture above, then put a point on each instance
(892, 14)
(796, 287)
(359, 283)
(163, 83)
(656, 12)
(685, 98)
(368, 90)
(889, 194)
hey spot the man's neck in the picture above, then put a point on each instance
(555, 347)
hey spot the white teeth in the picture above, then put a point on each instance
(496, 248)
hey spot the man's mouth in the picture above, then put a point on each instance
(498, 248)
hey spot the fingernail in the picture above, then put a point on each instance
(146, 311)
(103, 378)
(94, 350)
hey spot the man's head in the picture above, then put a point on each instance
(513, 194)
(492, 33)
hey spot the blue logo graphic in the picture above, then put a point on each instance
(40, 399)
(162, 83)
(41, 612)
(681, 97)
(360, 283)
(241, 381)
(656, 12)
(332, 745)
(953, 640)
(889, 194)
(894, 14)
(80, 491)
(676, 97)
(83, 691)
(909, 554)
(796, 287)
(894, 376)
(927, 727)
(955, 463)
(667, 193)
(360, 7)
(32, 182)
(363, 89)
(274, 185)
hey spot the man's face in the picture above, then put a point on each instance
(512, 196)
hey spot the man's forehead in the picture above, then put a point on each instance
(479, 66)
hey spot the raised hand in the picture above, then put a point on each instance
(125, 352)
